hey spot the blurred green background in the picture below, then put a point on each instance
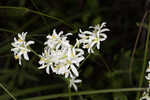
(107, 68)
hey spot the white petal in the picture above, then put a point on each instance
(66, 75)
(60, 33)
(19, 60)
(148, 76)
(74, 70)
(85, 32)
(71, 75)
(26, 56)
(54, 32)
(92, 44)
(103, 24)
(41, 67)
(103, 30)
(78, 81)
(148, 69)
(48, 36)
(19, 35)
(30, 42)
(104, 37)
(47, 70)
(89, 50)
(98, 45)
(75, 87)
(68, 34)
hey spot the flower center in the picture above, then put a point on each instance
(87, 46)
(20, 40)
(96, 39)
(69, 62)
(53, 37)
(16, 56)
(22, 50)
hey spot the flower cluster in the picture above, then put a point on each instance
(21, 47)
(146, 93)
(90, 39)
(59, 56)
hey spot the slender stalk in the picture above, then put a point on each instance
(145, 61)
(54, 96)
(34, 52)
(35, 12)
(23, 92)
(135, 46)
(1, 85)
(36, 7)
(85, 59)
(6, 30)
(69, 92)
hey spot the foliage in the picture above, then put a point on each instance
(107, 69)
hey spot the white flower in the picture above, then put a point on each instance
(55, 41)
(51, 58)
(145, 95)
(148, 77)
(21, 47)
(148, 74)
(73, 82)
(62, 58)
(61, 61)
(90, 39)
(74, 57)
(148, 69)
(45, 60)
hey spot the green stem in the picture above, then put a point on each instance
(36, 7)
(34, 52)
(135, 46)
(6, 30)
(69, 92)
(35, 12)
(144, 63)
(54, 96)
(7, 92)
(85, 59)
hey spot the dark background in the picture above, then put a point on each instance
(108, 68)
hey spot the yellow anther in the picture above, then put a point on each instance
(42, 59)
(56, 67)
(94, 32)
(20, 40)
(87, 46)
(16, 56)
(69, 62)
(64, 56)
(148, 67)
(73, 55)
(53, 37)
(96, 39)
(22, 51)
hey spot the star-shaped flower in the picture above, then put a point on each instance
(21, 47)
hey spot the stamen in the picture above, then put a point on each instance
(16, 57)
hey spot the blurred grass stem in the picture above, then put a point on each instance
(35, 12)
(54, 96)
(1, 85)
(145, 61)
